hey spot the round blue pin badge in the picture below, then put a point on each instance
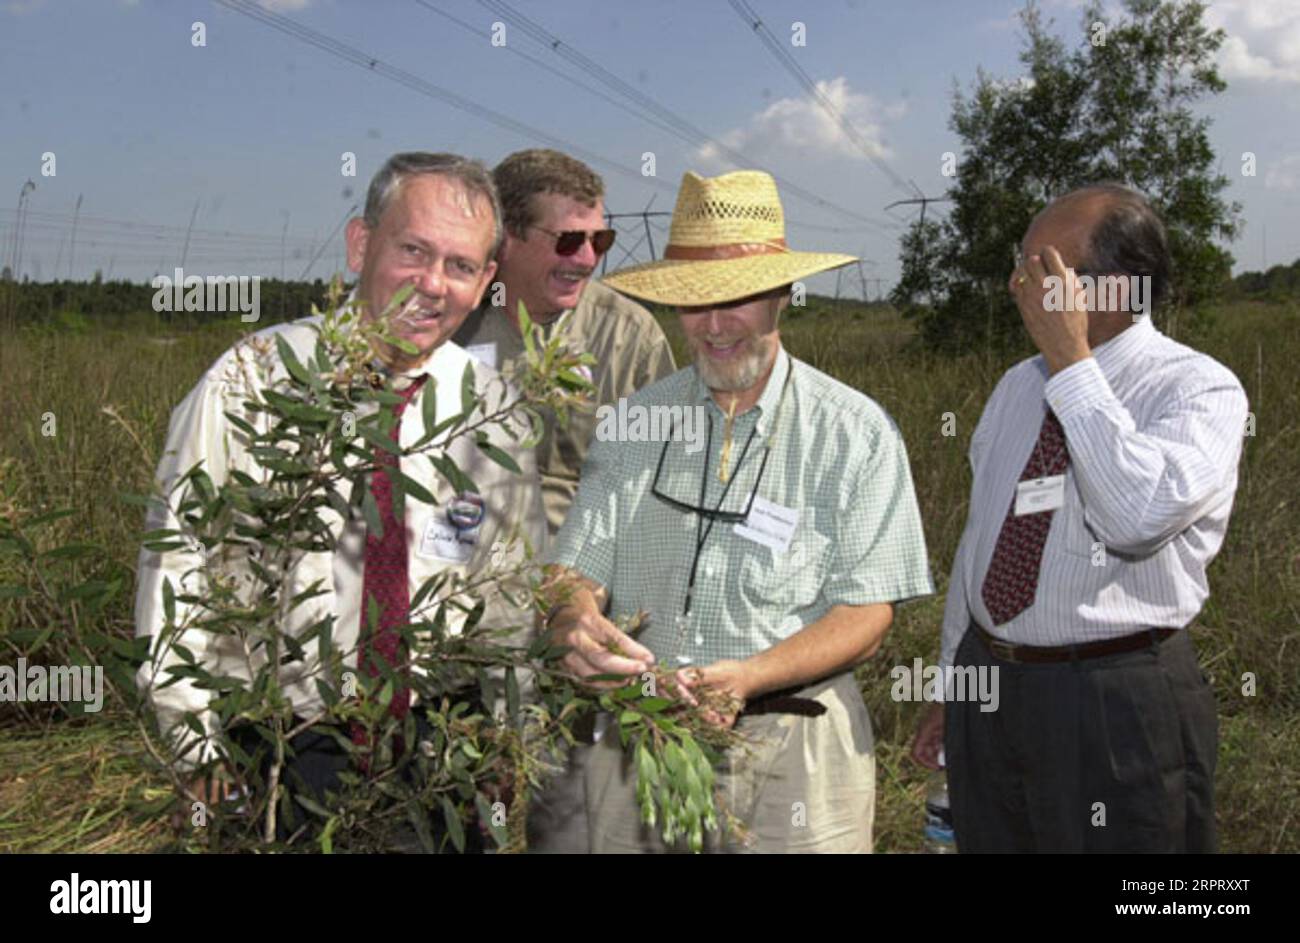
(465, 511)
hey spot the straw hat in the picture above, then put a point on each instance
(727, 241)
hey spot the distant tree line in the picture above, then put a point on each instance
(96, 300)
(1280, 282)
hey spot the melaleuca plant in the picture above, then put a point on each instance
(311, 431)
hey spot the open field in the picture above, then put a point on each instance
(77, 784)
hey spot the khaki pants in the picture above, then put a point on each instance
(806, 784)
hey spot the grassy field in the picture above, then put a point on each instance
(77, 784)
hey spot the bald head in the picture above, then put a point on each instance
(1105, 229)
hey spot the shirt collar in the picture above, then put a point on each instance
(770, 398)
(1115, 353)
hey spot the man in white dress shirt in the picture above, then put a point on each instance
(433, 222)
(1103, 476)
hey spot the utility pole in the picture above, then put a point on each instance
(186, 251)
(72, 252)
(346, 216)
(920, 198)
(646, 237)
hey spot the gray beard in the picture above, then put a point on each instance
(737, 377)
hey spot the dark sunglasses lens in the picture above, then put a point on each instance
(567, 243)
(603, 240)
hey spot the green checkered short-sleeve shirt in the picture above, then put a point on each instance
(837, 460)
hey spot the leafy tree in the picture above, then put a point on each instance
(1117, 107)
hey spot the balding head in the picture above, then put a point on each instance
(1106, 229)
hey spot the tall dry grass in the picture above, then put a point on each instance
(68, 784)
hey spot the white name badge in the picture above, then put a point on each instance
(769, 524)
(484, 353)
(441, 541)
(1040, 494)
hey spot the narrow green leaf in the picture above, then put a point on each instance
(497, 455)
(455, 828)
(379, 439)
(512, 695)
(451, 472)
(414, 488)
(291, 362)
(429, 405)
(169, 601)
(468, 392)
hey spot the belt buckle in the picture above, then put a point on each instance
(1002, 649)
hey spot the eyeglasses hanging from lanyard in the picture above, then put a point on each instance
(715, 514)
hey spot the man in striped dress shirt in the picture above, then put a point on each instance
(1103, 477)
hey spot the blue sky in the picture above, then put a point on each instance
(144, 125)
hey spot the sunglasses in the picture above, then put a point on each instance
(571, 240)
(715, 513)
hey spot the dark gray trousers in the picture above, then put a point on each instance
(313, 769)
(1109, 754)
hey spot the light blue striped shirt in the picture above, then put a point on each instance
(1154, 430)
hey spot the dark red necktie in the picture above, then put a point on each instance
(386, 577)
(1012, 578)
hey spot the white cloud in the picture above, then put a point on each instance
(1263, 42)
(1284, 174)
(800, 126)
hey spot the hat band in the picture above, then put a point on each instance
(733, 250)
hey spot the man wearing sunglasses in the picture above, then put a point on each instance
(768, 563)
(555, 236)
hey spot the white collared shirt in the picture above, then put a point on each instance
(199, 431)
(1154, 430)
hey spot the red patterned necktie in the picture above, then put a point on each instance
(386, 576)
(1012, 578)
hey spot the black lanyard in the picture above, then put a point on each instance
(702, 532)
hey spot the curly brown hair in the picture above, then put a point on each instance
(524, 174)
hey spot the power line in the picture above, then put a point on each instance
(415, 83)
(143, 230)
(428, 89)
(652, 110)
(791, 65)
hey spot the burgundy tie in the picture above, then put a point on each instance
(386, 577)
(1012, 578)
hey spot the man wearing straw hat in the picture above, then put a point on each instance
(768, 561)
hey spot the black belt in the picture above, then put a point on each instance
(1044, 654)
(784, 701)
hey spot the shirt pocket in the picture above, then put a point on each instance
(789, 580)
(1070, 533)
(1076, 540)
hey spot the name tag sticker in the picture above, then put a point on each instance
(442, 541)
(1040, 494)
(484, 353)
(769, 524)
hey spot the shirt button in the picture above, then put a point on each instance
(699, 639)
(708, 571)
